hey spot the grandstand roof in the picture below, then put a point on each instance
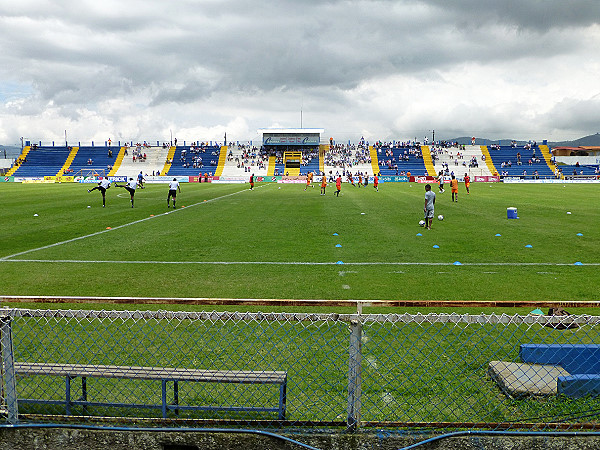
(291, 130)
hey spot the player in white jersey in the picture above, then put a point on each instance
(102, 187)
(173, 188)
(130, 187)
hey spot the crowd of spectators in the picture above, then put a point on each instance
(251, 157)
(194, 158)
(346, 156)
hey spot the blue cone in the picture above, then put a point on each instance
(340, 262)
(578, 263)
(419, 234)
(529, 246)
(579, 234)
(457, 263)
(498, 234)
(338, 245)
(335, 234)
(436, 246)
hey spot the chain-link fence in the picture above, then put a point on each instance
(435, 371)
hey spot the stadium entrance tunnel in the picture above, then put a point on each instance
(115, 438)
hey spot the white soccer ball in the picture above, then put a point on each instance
(440, 217)
(421, 223)
(279, 187)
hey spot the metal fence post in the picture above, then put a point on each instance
(354, 376)
(9, 386)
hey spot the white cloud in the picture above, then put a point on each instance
(387, 69)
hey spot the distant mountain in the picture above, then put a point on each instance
(592, 140)
(464, 140)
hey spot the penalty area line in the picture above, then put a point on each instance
(135, 222)
(290, 263)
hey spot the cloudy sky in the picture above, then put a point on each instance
(141, 70)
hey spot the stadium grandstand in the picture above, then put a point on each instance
(294, 152)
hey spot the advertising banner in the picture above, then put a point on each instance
(7, 179)
(202, 179)
(393, 179)
(119, 179)
(166, 179)
(269, 179)
(293, 180)
(423, 179)
(485, 179)
(548, 180)
(291, 139)
(50, 179)
(35, 180)
(86, 180)
(231, 180)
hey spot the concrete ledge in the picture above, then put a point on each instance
(523, 379)
(71, 439)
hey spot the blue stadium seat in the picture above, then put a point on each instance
(209, 157)
(43, 161)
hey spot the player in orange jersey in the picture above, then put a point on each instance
(323, 184)
(454, 187)
(467, 182)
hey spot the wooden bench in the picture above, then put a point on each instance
(164, 374)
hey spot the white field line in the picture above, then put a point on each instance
(135, 222)
(288, 263)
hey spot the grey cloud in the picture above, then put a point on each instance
(539, 16)
(574, 114)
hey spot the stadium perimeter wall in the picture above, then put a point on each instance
(83, 439)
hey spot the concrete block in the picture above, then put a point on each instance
(523, 379)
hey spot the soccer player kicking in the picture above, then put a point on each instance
(130, 187)
(102, 187)
(173, 188)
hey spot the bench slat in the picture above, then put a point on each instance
(152, 373)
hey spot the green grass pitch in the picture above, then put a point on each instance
(278, 242)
